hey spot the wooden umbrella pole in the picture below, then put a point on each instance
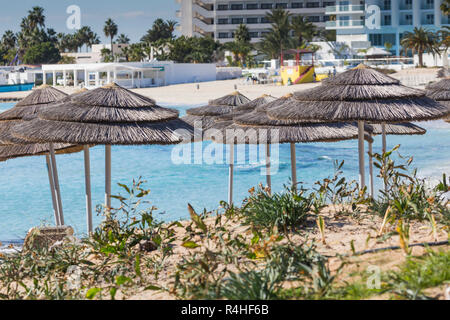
(56, 181)
(108, 176)
(87, 176)
(383, 131)
(384, 149)
(52, 189)
(371, 180)
(293, 166)
(268, 176)
(362, 176)
(230, 176)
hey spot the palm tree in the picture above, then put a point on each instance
(36, 17)
(123, 39)
(242, 34)
(171, 25)
(445, 7)
(304, 30)
(421, 40)
(280, 27)
(111, 31)
(9, 40)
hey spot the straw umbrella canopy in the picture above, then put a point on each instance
(220, 106)
(13, 147)
(110, 115)
(440, 91)
(364, 95)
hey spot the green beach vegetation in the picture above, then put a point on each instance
(272, 247)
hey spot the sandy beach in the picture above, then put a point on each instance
(188, 94)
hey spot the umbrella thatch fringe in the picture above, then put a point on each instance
(264, 99)
(234, 99)
(77, 112)
(443, 72)
(164, 133)
(443, 84)
(36, 149)
(398, 129)
(210, 111)
(439, 95)
(400, 110)
(288, 134)
(357, 92)
(362, 76)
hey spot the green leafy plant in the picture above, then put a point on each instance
(285, 211)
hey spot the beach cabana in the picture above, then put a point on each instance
(221, 106)
(110, 115)
(14, 147)
(363, 95)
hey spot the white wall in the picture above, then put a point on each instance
(430, 61)
(190, 73)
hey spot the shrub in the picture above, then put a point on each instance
(287, 210)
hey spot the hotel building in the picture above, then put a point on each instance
(377, 22)
(220, 18)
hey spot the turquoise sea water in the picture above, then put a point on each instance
(25, 199)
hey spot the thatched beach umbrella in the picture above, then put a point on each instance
(110, 115)
(364, 95)
(256, 128)
(440, 91)
(207, 116)
(389, 129)
(14, 147)
(220, 106)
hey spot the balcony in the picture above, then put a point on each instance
(344, 9)
(344, 24)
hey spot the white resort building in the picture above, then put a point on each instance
(128, 75)
(220, 18)
(361, 24)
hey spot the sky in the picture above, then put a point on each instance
(133, 17)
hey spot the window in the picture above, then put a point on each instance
(328, 4)
(237, 20)
(252, 20)
(222, 21)
(387, 5)
(266, 6)
(296, 5)
(281, 6)
(312, 4)
(326, 18)
(387, 20)
(253, 34)
(314, 18)
(265, 20)
(376, 39)
(252, 6)
(430, 19)
(223, 35)
(237, 7)
(222, 7)
(408, 17)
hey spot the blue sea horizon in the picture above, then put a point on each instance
(26, 201)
